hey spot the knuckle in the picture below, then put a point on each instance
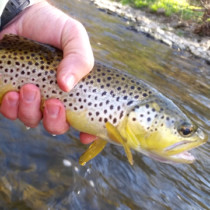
(77, 27)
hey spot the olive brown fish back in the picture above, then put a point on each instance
(106, 93)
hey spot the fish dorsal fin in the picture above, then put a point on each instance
(114, 134)
(93, 150)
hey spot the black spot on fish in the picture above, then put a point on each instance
(89, 113)
(104, 93)
(121, 114)
(129, 103)
(109, 78)
(107, 102)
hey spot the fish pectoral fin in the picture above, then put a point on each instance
(93, 150)
(133, 140)
(115, 136)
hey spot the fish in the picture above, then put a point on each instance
(108, 103)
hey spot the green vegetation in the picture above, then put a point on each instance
(185, 9)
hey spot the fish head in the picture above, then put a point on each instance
(159, 129)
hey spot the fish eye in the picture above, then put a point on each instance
(186, 129)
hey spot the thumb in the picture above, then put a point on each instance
(78, 56)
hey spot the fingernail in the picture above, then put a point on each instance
(70, 82)
(12, 101)
(52, 110)
(28, 96)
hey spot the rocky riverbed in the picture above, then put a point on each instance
(173, 33)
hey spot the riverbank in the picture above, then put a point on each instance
(172, 33)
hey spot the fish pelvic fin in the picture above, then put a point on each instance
(114, 134)
(93, 150)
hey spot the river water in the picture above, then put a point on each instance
(39, 171)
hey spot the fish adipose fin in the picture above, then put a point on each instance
(93, 150)
(114, 134)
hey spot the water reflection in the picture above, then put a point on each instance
(39, 171)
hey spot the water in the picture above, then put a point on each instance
(38, 171)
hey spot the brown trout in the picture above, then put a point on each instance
(107, 103)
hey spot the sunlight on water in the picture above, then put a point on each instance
(39, 171)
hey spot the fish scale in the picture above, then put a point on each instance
(106, 103)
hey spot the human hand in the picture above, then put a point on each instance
(44, 23)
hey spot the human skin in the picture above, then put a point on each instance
(44, 23)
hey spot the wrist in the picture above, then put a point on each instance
(9, 9)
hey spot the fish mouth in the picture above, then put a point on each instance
(178, 153)
(183, 157)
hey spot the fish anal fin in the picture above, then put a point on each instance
(93, 150)
(114, 134)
